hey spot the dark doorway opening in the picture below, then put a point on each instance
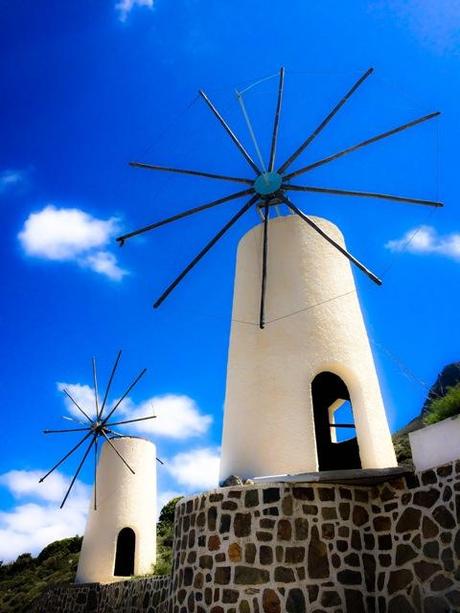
(124, 557)
(329, 393)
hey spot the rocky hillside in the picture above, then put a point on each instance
(22, 581)
(447, 379)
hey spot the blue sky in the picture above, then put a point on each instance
(89, 86)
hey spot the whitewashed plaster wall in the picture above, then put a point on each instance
(314, 324)
(124, 500)
(436, 444)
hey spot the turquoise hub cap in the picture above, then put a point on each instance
(268, 183)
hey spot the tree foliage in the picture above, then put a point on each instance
(23, 581)
(444, 406)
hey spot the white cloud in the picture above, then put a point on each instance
(83, 395)
(196, 469)
(124, 7)
(37, 520)
(177, 416)
(424, 240)
(105, 263)
(9, 179)
(62, 234)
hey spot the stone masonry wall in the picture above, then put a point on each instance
(294, 548)
(150, 595)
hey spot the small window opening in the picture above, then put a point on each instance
(124, 557)
(336, 443)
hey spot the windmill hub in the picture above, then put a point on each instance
(268, 183)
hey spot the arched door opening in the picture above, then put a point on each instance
(124, 557)
(335, 452)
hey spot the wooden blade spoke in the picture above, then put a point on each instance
(197, 209)
(65, 457)
(230, 132)
(66, 430)
(204, 251)
(364, 143)
(348, 192)
(195, 173)
(325, 121)
(117, 452)
(321, 232)
(96, 393)
(95, 472)
(276, 121)
(78, 471)
(107, 389)
(264, 269)
(135, 382)
(130, 421)
(66, 392)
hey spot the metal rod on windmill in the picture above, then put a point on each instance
(270, 188)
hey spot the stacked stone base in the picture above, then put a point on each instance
(150, 594)
(297, 548)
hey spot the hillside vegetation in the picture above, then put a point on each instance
(443, 400)
(23, 581)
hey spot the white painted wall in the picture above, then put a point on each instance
(316, 326)
(123, 500)
(437, 444)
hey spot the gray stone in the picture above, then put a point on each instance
(301, 529)
(284, 530)
(354, 601)
(250, 553)
(271, 494)
(242, 524)
(294, 555)
(400, 604)
(429, 528)
(424, 570)
(360, 516)
(249, 575)
(295, 602)
(318, 563)
(398, 580)
(284, 575)
(404, 553)
(251, 498)
(349, 577)
(303, 493)
(444, 517)
(409, 520)
(231, 481)
(265, 555)
(330, 599)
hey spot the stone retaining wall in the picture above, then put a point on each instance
(311, 547)
(150, 594)
(298, 548)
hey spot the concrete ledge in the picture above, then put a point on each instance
(369, 476)
(437, 444)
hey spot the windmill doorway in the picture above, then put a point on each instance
(124, 557)
(336, 451)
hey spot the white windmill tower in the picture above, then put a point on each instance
(287, 376)
(120, 537)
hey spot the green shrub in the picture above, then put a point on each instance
(442, 408)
